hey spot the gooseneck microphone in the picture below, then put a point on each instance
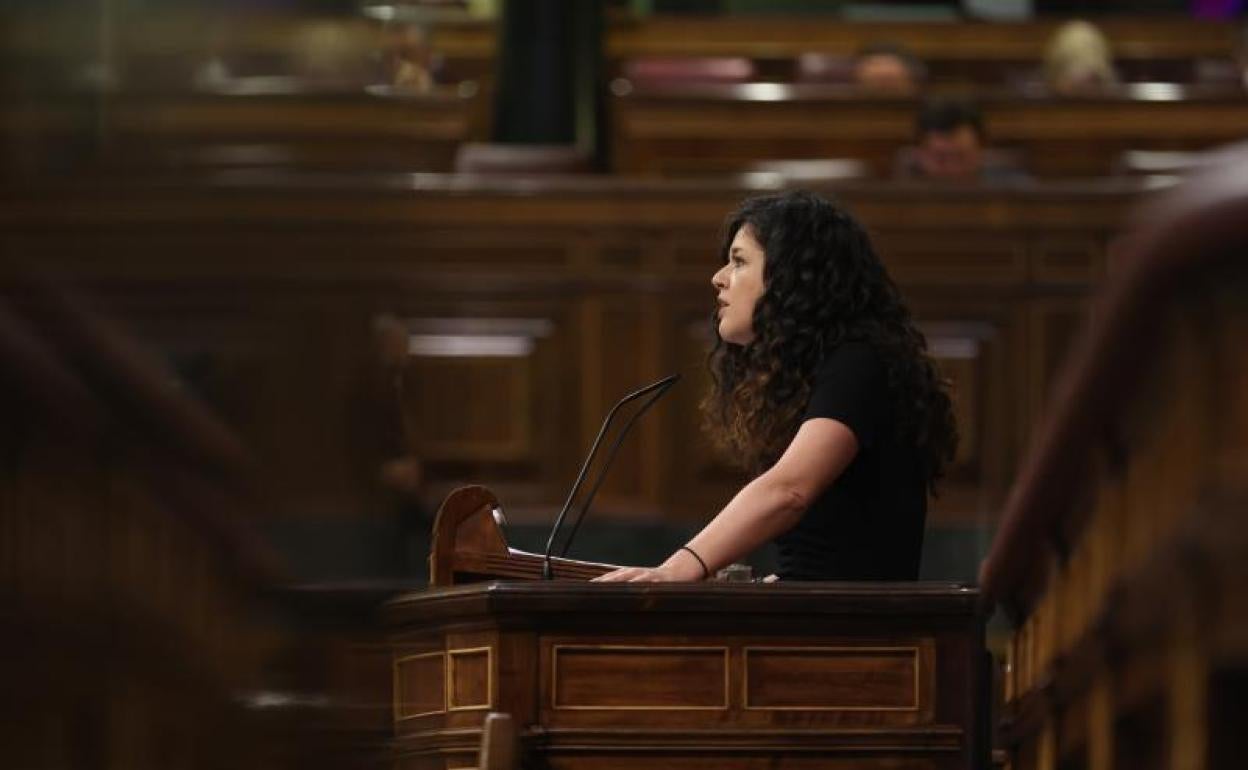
(661, 387)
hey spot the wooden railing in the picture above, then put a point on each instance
(129, 584)
(1121, 554)
(146, 622)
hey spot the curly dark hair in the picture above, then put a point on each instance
(823, 285)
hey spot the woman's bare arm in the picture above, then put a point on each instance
(765, 508)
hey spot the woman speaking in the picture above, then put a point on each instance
(824, 392)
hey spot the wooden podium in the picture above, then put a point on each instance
(713, 675)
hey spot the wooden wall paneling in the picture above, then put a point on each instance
(1100, 723)
(1046, 749)
(1187, 696)
(949, 257)
(1141, 734)
(616, 364)
(633, 354)
(275, 284)
(656, 449)
(471, 398)
(1226, 715)
(1103, 536)
(1072, 735)
(1188, 424)
(1053, 324)
(1068, 260)
(10, 553)
(1025, 757)
(1230, 379)
(971, 341)
(1145, 487)
(702, 479)
(960, 355)
(491, 389)
(290, 370)
(467, 254)
(1068, 592)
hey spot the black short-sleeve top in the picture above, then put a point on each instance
(868, 525)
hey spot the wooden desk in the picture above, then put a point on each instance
(165, 47)
(700, 675)
(705, 675)
(983, 53)
(683, 130)
(967, 52)
(256, 123)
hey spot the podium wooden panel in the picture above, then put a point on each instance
(725, 675)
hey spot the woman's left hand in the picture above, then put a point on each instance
(638, 575)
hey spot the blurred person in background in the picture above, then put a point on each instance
(410, 61)
(950, 146)
(1078, 61)
(887, 68)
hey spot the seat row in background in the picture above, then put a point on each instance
(198, 95)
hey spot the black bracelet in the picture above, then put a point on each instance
(705, 572)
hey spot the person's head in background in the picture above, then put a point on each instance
(886, 68)
(410, 60)
(1078, 60)
(949, 140)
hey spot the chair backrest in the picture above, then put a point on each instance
(500, 744)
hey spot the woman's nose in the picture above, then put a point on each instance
(717, 279)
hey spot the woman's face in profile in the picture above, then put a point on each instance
(738, 285)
